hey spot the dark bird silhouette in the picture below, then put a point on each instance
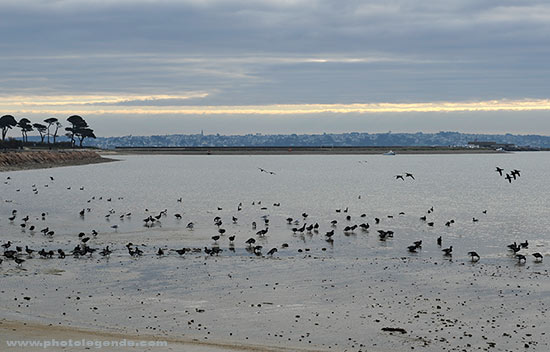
(61, 254)
(499, 170)
(216, 238)
(272, 251)
(448, 251)
(439, 241)
(474, 255)
(264, 231)
(399, 177)
(160, 252)
(231, 238)
(180, 251)
(250, 241)
(28, 250)
(514, 247)
(408, 174)
(7, 245)
(509, 178)
(19, 261)
(538, 257)
(521, 258)
(10, 254)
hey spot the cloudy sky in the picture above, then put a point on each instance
(278, 66)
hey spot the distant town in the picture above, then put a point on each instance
(352, 139)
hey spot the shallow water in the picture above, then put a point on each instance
(327, 296)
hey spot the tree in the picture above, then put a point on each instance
(57, 127)
(6, 123)
(82, 133)
(42, 130)
(25, 125)
(77, 124)
(50, 121)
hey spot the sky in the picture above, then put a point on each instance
(142, 67)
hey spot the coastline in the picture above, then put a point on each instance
(45, 159)
(16, 331)
(298, 150)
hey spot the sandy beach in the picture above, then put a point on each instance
(14, 332)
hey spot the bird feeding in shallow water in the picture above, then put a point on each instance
(474, 255)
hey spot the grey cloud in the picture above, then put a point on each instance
(265, 52)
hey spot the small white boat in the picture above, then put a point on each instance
(391, 152)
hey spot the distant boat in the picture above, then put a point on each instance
(391, 152)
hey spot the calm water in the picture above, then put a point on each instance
(312, 295)
(458, 187)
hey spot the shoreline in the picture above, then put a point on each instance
(46, 159)
(13, 330)
(298, 150)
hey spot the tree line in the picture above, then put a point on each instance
(77, 130)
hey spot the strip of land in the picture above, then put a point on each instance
(299, 150)
(42, 159)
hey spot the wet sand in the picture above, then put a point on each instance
(23, 331)
(327, 303)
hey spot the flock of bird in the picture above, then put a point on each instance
(298, 225)
(402, 177)
(512, 175)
